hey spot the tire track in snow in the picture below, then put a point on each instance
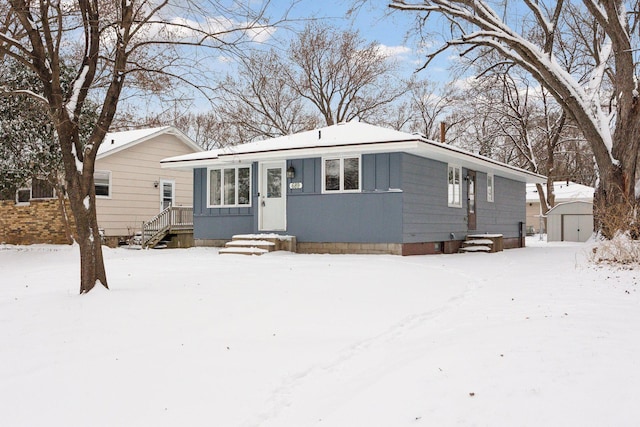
(282, 397)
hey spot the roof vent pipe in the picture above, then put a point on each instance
(113, 141)
(319, 134)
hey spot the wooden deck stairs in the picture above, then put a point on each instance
(488, 243)
(258, 244)
(172, 220)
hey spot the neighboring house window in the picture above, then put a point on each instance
(23, 195)
(41, 189)
(341, 174)
(230, 187)
(102, 181)
(490, 187)
(454, 186)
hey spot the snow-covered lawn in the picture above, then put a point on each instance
(525, 337)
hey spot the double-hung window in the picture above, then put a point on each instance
(41, 189)
(341, 174)
(102, 182)
(454, 186)
(230, 186)
(490, 187)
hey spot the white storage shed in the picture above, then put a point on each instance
(570, 222)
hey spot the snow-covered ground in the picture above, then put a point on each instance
(525, 337)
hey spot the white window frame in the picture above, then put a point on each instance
(110, 188)
(163, 181)
(490, 187)
(18, 202)
(451, 201)
(222, 169)
(53, 192)
(341, 189)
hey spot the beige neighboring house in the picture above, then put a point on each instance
(130, 185)
(565, 191)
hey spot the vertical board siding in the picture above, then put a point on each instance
(221, 223)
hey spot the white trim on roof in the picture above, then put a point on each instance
(114, 142)
(348, 139)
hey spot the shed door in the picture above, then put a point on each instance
(272, 210)
(471, 199)
(576, 228)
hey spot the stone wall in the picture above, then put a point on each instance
(39, 221)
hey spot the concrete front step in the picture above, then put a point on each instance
(243, 251)
(258, 244)
(262, 244)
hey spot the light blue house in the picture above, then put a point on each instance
(355, 188)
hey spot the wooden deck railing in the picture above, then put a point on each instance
(169, 220)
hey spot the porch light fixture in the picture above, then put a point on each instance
(291, 172)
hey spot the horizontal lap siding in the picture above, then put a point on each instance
(134, 170)
(357, 217)
(506, 212)
(426, 215)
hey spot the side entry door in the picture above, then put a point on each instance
(471, 199)
(167, 193)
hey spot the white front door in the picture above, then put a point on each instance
(167, 193)
(272, 199)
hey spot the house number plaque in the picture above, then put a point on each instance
(295, 186)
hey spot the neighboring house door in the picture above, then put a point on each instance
(272, 199)
(167, 193)
(471, 199)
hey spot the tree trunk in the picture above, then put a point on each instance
(65, 215)
(82, 198)
(615, 203)
(92, 268)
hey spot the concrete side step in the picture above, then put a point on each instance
(480, 242)
(478, 248)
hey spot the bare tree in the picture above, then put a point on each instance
(341, 74)
(606, 78)
(326, 75)
(507, 119)
(147, 43)
(260, 100)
